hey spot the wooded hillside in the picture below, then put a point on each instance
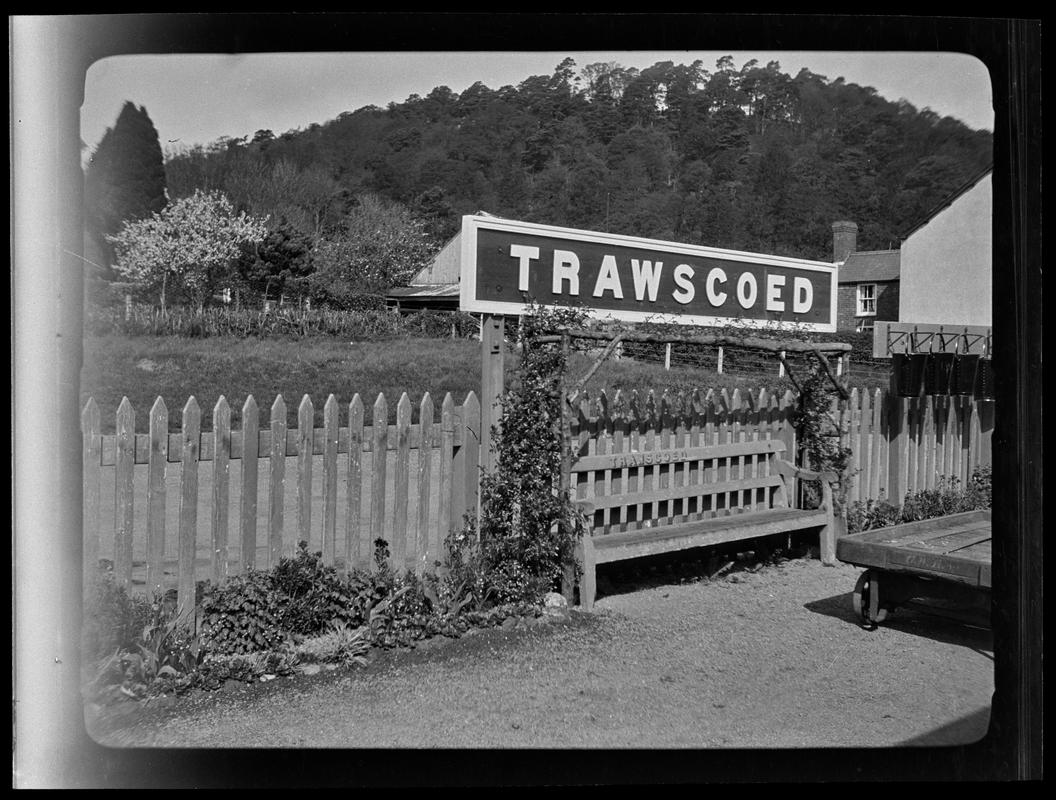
(746, 158)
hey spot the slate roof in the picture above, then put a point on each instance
(870, 266)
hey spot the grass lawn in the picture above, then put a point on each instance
(144, 368)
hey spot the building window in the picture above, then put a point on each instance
(866, 300)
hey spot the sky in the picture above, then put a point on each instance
(196, 99)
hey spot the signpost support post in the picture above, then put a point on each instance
(493, 352)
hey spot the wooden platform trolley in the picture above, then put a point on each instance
(945, 559)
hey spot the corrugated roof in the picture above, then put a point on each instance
(867, 266)
(445, 266)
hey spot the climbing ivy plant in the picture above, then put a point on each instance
(528, 526)
(818, 431)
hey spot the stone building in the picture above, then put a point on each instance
(867, 281)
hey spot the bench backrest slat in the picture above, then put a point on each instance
(700, 490)
(648, 458)
(650, 486)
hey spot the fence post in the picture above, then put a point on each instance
(276, 480)
(248, 500)
(401, 485)
(331, 411)
(305, 442)
(446, 521)
(718, 368)
(92, 445)
(159, 451)
(378, 459)
(187, 543)
(221, 475)
(423, 551)
(357, 551)
(781, 365)
(667, 356)
(123, 471)
(471, 441)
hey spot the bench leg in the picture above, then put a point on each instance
(827, 539)
(587, 581)
(827, 545)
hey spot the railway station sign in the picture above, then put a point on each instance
(506, 264)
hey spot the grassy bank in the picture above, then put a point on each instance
(145, 367)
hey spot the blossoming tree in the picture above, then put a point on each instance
(193, 240)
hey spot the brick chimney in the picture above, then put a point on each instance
(844, 240)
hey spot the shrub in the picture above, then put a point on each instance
(865, 516)
(464, 581)
(341, 643)
(310, 594)
(946, 498)
(247, 667)
(113, 619)
(242, 615)
(373, 323)
(162, 657)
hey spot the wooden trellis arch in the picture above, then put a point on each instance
(776, 347)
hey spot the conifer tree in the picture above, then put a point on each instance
(124, 181)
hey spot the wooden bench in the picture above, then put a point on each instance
(659, 501)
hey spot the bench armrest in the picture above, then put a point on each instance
(584, 507)
(789, 469)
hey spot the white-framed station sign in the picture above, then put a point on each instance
(506, 264)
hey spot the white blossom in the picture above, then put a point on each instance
(192, 240)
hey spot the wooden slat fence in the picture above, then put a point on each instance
(160, 483)
(898, 445)
(901, 445)
(345, 497)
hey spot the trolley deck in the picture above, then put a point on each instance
(945, 558)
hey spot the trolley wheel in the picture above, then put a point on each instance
(866, 600)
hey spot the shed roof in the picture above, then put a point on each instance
(868, 266)
(445, 267)
(432, 290)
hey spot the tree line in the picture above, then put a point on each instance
(746, 158)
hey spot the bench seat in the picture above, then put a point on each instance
(703, 533)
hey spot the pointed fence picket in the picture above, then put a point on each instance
(400, 485)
